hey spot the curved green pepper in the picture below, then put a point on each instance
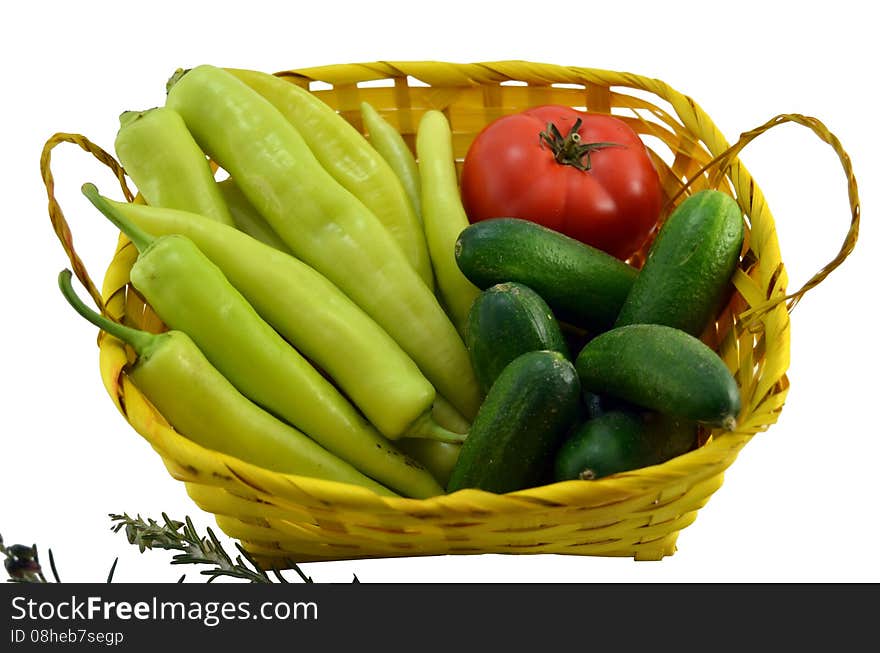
(443, 214)
(203, 406)
(389, 143)
(169, 169)
(324, 225)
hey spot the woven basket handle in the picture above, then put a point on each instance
(722, 162)
(56, 215)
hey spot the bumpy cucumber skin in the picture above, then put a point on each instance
(527, 413)
(583, 286)
(686, 275)
(505, 321)
(661, 368)
(619, 441)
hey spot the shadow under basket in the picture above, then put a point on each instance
(281, 519)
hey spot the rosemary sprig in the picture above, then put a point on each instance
(182, 536)
(23, 565)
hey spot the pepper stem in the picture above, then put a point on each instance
(175, 77)
(569, 149)
(140, 341)
(128, 117)
(141, 239)
(425, 427)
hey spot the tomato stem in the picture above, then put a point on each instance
(568, 149)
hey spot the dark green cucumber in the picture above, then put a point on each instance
(661, 368)
(620, 441)
(505, 321)
(524, 418)
(582, 285)
(686, 275)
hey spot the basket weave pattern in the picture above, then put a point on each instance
(281, 518)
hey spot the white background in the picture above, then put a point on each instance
(799, 504)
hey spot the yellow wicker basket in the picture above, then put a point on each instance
(280, 518)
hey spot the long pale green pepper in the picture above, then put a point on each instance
(389, 143)
(169, 169)
(443, 214)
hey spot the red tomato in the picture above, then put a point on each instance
(585, 175)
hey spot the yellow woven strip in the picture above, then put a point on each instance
(270, 555)
(113, 356)
(777, 356)
(295, 540)
(745, 370)
(748, 287)
(764, 244)
(656, 549)
(287, 537)
(307, 491)
(226, 501)
(112, 359)
(346, 73)
(692, 500)
(494, 72)
(116, 279)
(766, 414)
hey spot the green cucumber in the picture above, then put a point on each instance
(505, 321)
(661, 368)
(620, 441)
(686, 275)
(584, 286)
(524, 418)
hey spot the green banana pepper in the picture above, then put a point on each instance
(169, 169)
(443, 214)
(389, 143)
